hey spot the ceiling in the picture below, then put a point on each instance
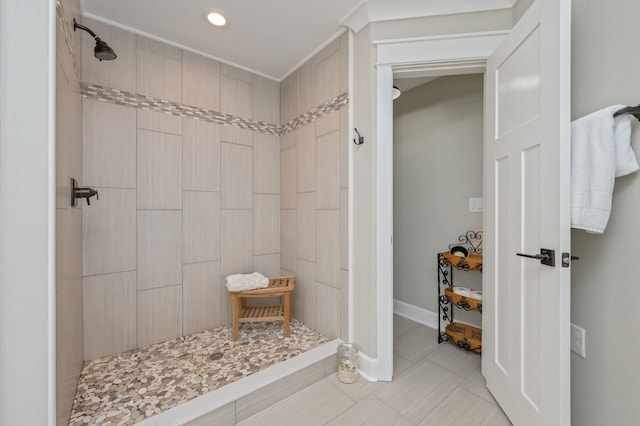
(268, 37)
(271, 38)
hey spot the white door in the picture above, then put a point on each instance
(525, 354)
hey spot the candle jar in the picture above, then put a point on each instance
(347, 363)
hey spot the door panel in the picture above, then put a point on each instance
(526, 314)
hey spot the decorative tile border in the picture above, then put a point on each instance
(121, 97)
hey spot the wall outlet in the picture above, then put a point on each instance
(475, 205)
(578, 335)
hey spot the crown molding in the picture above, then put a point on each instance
(383, 10)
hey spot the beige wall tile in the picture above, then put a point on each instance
(159, 315)
(328, 247)
(236, 97)
(288, 177)
(201, 155)
(237, 73)
(201, 297)
(271, 394)
(327, 79)
(325, 52)
(236, 177)
(200, 226)
(109, 232)
(266, 164)
(306, 226)
(226, 316)
(109, 307)
(200, 81)
(345, 144)
(343, 65)
(304, 296)
(159, 122)
(109, 145)
(266, 224)
(118, 74)
(223, 416)
(344, 305)
(288, 140)
(288, 240)
(306, 169)
(344, 229)
(159, 170)
(159, 48)
(288, 99)
(237, 135)
(267, 264)
(305, 92)
(159, 76)
(237, 241)
(328, 310)
(328, 171)
(266, 100)
(159, 248)
(327, 124)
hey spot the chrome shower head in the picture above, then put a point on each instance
(102, 51)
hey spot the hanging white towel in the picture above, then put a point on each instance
(243, 282)
(600, 152)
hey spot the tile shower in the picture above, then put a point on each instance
(205, 170)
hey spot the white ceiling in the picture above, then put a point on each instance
(268, 37)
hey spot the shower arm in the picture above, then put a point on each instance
(82, 27)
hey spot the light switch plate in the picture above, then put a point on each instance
(475, 205)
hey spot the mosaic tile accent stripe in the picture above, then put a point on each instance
(127, 388)
(326, 108)
(121, 97)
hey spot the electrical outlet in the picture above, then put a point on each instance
(578, 335)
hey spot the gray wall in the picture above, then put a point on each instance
(438, 134)
(605, 284)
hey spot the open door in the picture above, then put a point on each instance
(526, 353)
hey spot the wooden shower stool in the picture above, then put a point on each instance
(278, 286)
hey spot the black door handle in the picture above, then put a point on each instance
(546, 257)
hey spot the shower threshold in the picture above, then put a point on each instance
(198, 377)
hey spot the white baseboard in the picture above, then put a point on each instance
(414, 313)
(368, 367)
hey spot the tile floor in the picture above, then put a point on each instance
(433, 385)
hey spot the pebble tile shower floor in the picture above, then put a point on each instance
(126, 388)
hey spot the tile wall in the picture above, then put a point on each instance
(183, 202)
(314, 190)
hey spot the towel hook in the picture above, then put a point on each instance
(360, 138)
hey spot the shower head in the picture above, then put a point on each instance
(102, 51)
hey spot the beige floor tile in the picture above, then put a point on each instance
(369, 411)
(402, 325)
(358, 390)
(400, 365)
(314, 405)
(477, 385)
(455, 359)
(462, 403)
(416, 343)
(419, 390)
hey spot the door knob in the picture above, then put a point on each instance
(546, 257)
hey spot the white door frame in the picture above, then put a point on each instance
(425, 56)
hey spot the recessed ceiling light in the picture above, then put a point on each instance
(215, 17)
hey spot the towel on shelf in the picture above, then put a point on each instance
(462, 291)
(244, 282)
(600, 152)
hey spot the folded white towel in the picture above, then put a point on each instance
(462, 291)
(600, 152)
(243, 282)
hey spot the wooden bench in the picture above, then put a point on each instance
(278, 286)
